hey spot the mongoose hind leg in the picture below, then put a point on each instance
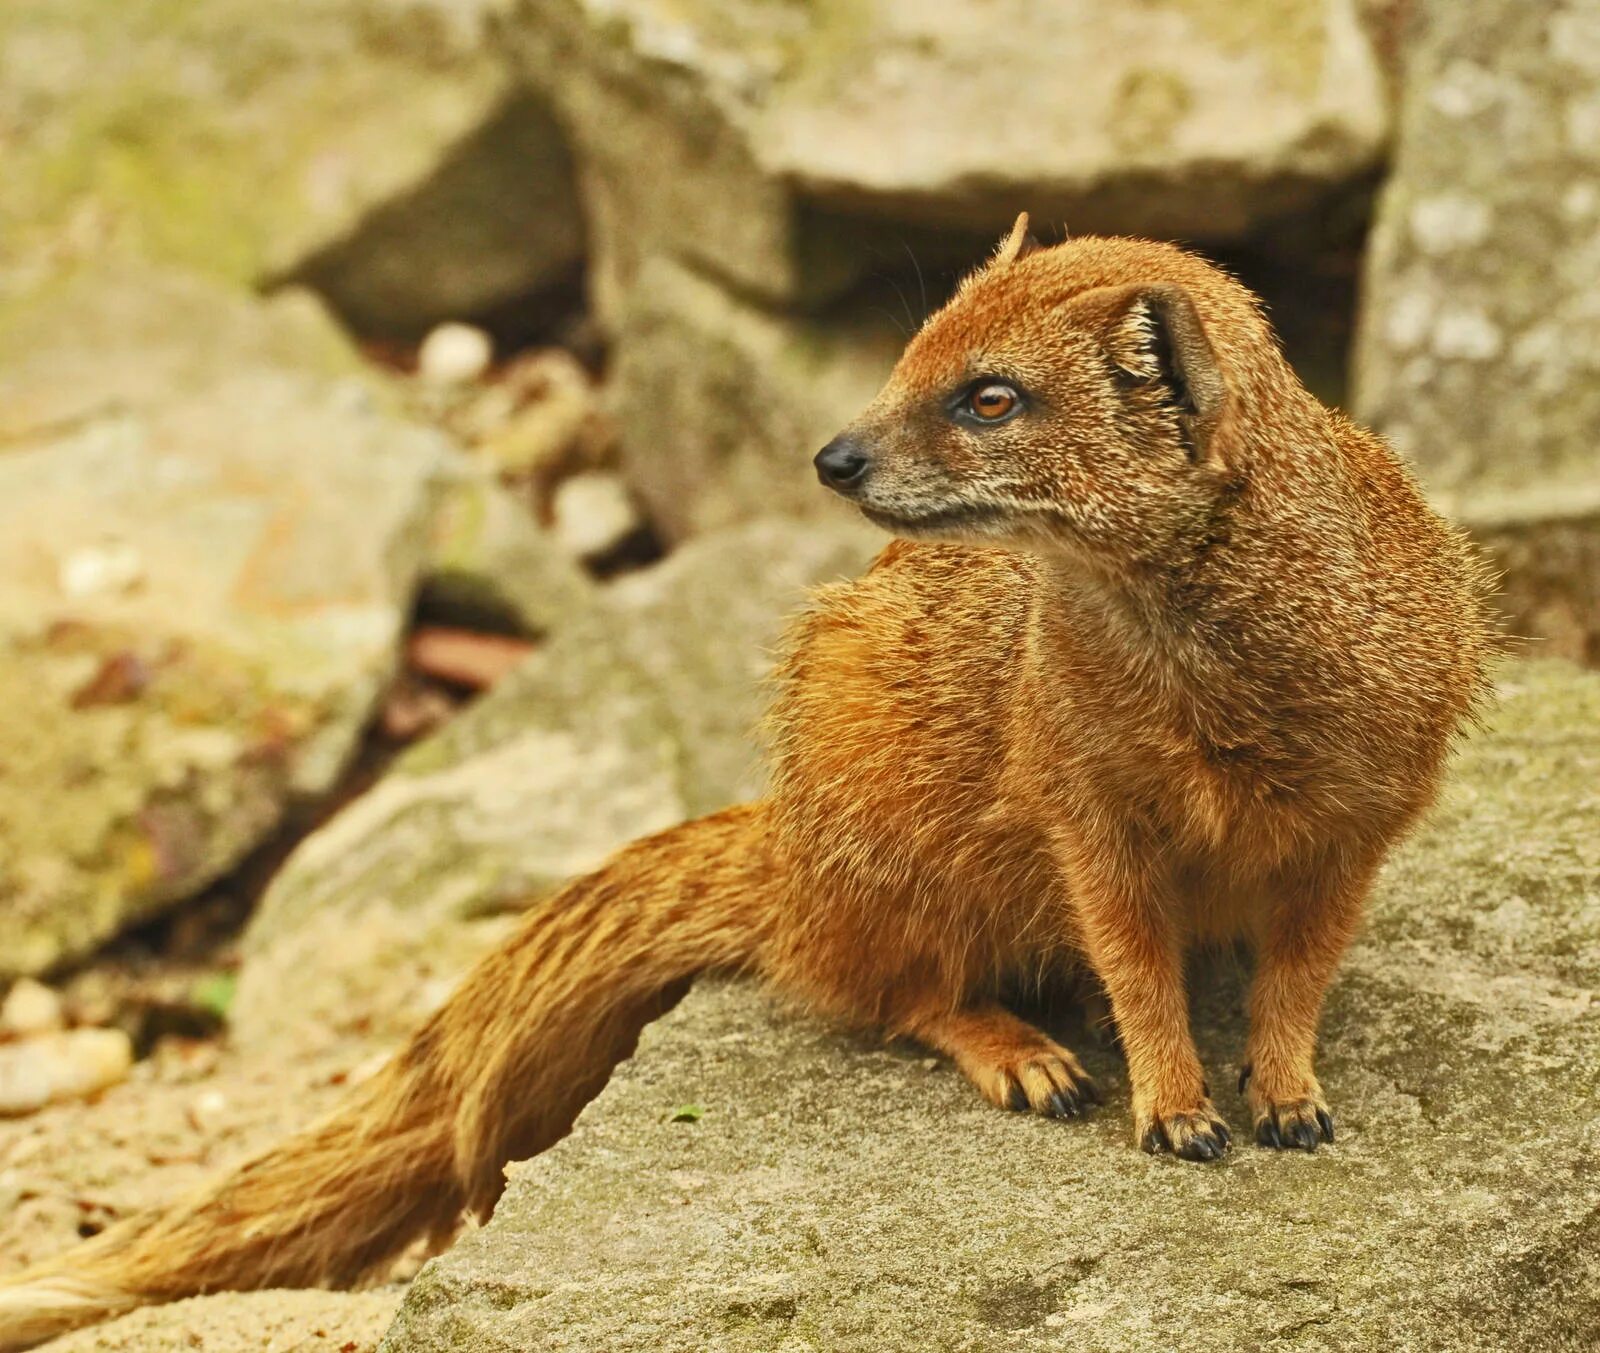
(1311, 924)
(1012, 1063)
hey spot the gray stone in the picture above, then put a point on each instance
(490, 565)
(834, 1195)
(1479, 348)
(210, 528)
(1550, 582)
(721, 403)
(636, 714)
(749, 139)
(378, 150)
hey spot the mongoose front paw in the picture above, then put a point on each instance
(1192, 1134)
(1296, 1121)
(1297, 1125)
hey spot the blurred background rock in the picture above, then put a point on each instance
(406, 410)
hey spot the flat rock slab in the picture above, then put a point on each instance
(706, 127)
(832, 1194)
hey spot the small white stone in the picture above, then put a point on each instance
(454, 354)
(100, 570)
(208, 1110)
(592, 514)
(30, 1008)
(51, 1067)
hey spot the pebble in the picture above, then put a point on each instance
(57, 1066)
(30, 1008)
(454, 354)
(592, 514)
(100, 570)
(208, 1111)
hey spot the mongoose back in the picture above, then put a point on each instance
(1165, 652)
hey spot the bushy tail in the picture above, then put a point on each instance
(498, 1073)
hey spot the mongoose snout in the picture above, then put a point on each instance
(1078, 417)
(842, 465)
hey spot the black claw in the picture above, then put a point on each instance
(1017, 1098)
(1267, 1134)
(1325, 1122)
(1226, 1137)
(1063, 1106)
(1198, 1148)
(1155, 1139)
(1304, 1136)
(1244, 1076)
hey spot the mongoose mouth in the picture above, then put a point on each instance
(945, 520)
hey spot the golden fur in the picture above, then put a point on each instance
(1174, 654)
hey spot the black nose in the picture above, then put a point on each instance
(842, 465)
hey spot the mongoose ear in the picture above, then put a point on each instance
(1156, 337)
(1018, 244)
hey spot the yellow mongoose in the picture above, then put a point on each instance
(1167, 652)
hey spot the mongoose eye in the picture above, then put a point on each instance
(993, 401)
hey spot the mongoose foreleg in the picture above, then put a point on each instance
(1128, 920)
(1310, 925)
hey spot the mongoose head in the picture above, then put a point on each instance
(1080, 398)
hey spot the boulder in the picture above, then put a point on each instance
(721, 402)
(636, 714)
(1479, 347)
(211, 525)
(754, 1180)
(756, 141)
(379, 151)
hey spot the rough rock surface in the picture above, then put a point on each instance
(210, 529)
(738, 136)
(246, 1322)
(721, 403)
(834, 1195)
(1479, 351)
(374, 148)
(637, 714)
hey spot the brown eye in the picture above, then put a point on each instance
(993, 402)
